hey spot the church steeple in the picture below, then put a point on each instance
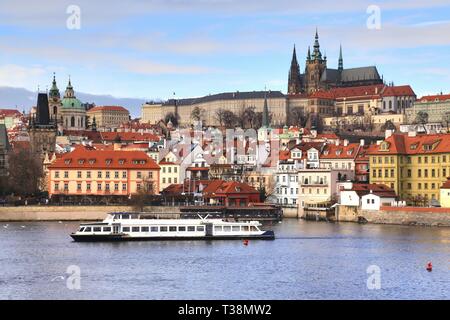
(69, 90)
(308, 56)
(54, 91)
(341, 60)
(294, 81)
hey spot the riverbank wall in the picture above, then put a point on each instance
(77, 213)
(413, 216)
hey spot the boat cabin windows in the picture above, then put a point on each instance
(135, 229)
(181, 229)
(218, 228)
(144, 229)
(154, 229)
(163, 229)
(191, 228)
(226, 228)
(201, 228)
(97, 229)
(106, 229)
(126, 229)
(125, 216)
(88, 229)
(236, 228)
(81, 229)
(173, 229)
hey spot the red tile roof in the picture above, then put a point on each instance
(332, 151)
(225, 187)
(129, 136)
(377, 189)
(438, 97)
(108, 108)
(397, 91)
(10, 112)
(420, 144)
(85, 158)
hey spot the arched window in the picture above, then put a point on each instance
(72, 121)
(55, 110)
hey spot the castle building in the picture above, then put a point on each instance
(318, 76)
(42, 129)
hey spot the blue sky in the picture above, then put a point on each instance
(150, 49)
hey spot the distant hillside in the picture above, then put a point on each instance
(23, 99)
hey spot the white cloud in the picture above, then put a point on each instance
(20, 76)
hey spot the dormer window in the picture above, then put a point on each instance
(326, 152)
(67, 161)
(121, 161)
(108, 161)
(80, 161)
(427, 147)
(414, 146)
(349, 152)
(384, 146)
(338, 152)
(91, 161)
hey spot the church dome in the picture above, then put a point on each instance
(70, 102)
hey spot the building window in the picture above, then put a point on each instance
(138, 186)
(124, 174)
(78, 186)
(107, 187)
(56, 174)
(124, 187)
(107, 175)
(79, 174)
(99, 186)
(88, 186)
(99, 174)
(66, 174)
(116, 187)
(116, 174)
(66, 187)
(56, 186)
(88, 174)
(139, 175)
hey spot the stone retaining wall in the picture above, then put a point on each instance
(75, 213)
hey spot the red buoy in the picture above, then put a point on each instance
(429, 267)
(245, 242)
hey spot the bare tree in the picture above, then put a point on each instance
(144, 194)
(297, 117)
(422, 118)
(197, 114)
(229, 119)
(25, 172)
(174, 118)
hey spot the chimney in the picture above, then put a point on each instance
(412, 133)
(337, 142)
(361, 142)
(388, 133)
(345, 142)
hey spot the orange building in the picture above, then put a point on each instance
(88, 171)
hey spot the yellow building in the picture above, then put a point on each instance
(170, 171)
(151, 113)
(415, 166)
(88, 171)
(108, 117)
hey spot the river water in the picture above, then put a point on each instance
(308, 260)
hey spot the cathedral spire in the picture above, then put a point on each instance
(294, 82)
(308, 56)
(317, 53)
(69, 90)
(341, 60)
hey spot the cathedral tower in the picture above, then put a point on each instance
(294, 81)
(315, 66)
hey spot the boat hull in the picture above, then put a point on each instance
(267, 235)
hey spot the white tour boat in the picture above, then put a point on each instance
(124, 226)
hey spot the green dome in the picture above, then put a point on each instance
(72, 104)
